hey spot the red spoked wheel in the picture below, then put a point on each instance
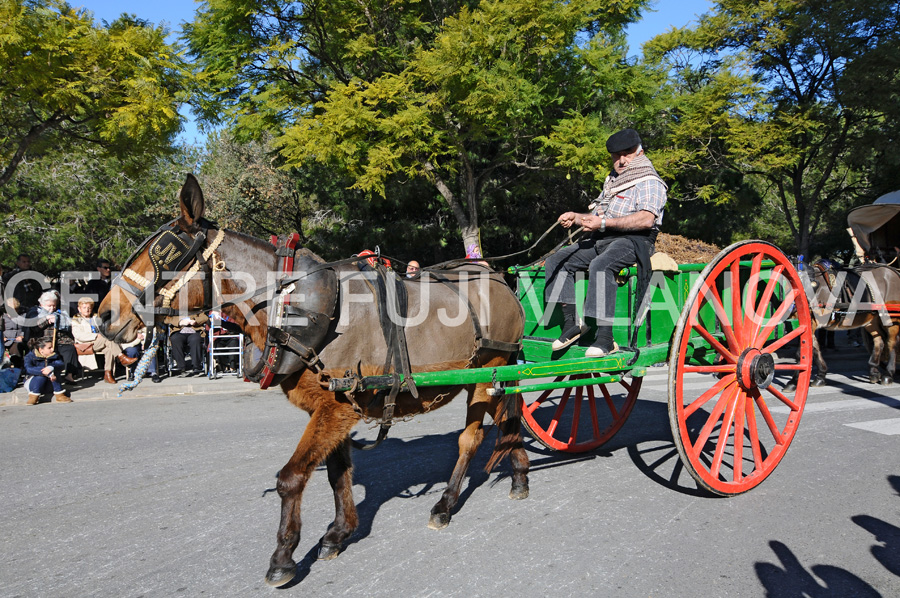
(581, 418)
(730, 423)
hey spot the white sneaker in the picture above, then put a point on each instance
(593, 351)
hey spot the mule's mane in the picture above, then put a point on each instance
(259, 243)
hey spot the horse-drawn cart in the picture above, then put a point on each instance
(726, 328)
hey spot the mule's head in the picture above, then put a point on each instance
(157, 268)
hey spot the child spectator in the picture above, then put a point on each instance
(44, 367)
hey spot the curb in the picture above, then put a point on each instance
(169, 387)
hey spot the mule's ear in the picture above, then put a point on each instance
(192, 203)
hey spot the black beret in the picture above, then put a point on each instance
(623, 140)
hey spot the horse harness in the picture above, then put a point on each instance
(170, 250)
(849, 285)
(294, 332)
(389, 291)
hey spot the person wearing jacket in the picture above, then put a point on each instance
(188, 331)
(44, 367)
(86, 332)
(13, 327)
(46, 320)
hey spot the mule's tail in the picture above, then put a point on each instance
(509, 429)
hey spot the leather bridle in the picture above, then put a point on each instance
(170, 250)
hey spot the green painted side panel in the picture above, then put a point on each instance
(668, 292)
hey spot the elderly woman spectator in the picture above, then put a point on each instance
(12, 323)
(86, 332)
(48, 320)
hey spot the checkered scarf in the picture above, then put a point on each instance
(638, 170)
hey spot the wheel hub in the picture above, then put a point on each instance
(755, 369)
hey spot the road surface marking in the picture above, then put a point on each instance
(888, 427)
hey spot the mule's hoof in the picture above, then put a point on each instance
(887, 381)
(518, 492)
(439, 520)
(278, 576)
(789, 387)
(329, 551)
(817, 382)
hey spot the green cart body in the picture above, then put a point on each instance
(725, 345)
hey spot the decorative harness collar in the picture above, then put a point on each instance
(169, 251)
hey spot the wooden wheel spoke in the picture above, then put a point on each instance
(754, 436)
(724, 431)
(576, 417)
(758, 315)
(706, 396)
(728, 368)
(774, 346)
(750, 304)
(735, 283)
(711, 422)
(716, 345)
(560, 420)
(779, 316)
(781, 397)
(534, 405)
(595, 424)
(770, 421)
(719, 426)
(609, 402)
(727, 327)
(560, 409)
(740, 407)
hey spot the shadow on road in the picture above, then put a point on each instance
(789, 578)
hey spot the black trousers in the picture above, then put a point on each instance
(194, 343)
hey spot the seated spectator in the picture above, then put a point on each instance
(187, 332)
(146, 339)
(44, 368)
(412, 269)
(28, 290)
(100, 286)
(222, 326)
(48, 320)
(14, 331)
(85, 331)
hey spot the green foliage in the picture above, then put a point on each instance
(787, 94)
(72, 207)
(67, 82)
(482, 97)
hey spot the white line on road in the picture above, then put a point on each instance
(888, 427)
(850, 405)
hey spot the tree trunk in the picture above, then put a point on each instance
(466, 216)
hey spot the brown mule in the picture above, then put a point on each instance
(440, 334)
(865, 297)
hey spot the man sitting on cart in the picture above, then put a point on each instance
(623, 224)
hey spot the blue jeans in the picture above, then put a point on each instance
(602, 259)
(37, 385)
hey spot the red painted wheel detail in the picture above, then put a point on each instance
(582, 418)
(730, 421)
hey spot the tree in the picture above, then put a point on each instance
(797, 96)
(473, 102)
(66, 82)
(73, 206)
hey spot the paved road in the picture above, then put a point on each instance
(172, 495)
